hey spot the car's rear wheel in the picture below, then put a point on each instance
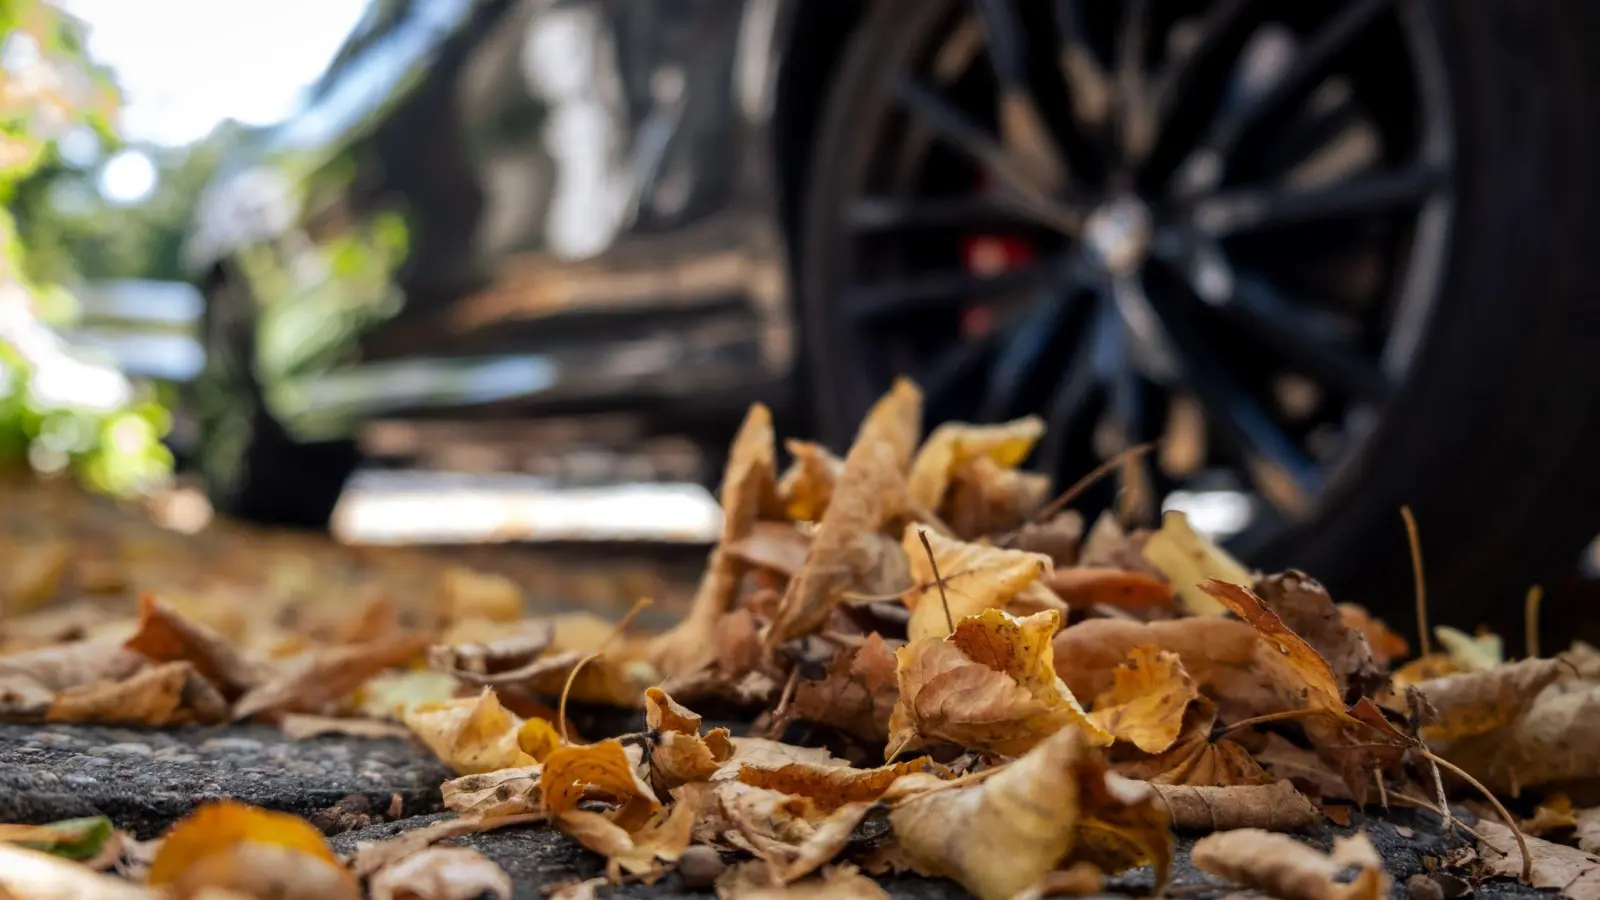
(251, 467)
(1331, 256)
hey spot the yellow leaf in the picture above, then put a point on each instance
(830, 787)
(236, 847)
(1147, 700)
(807, 485)
(538, 738)
(468, 593)
(664, 836)
(602, 770)
(1187, 558)
(989, 686)
(389, 694)
(470, 734)
(976, 577)
(954, 444)
(164, 636)
(489, 795)
(871, 490)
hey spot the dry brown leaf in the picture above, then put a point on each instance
(470, 734)
(256, 852)
(768, 754)
(831, 787)
(976, 577)
(502, 792)
(1587, 832)
(467, 593)
(35, 875)
(790, 834)
(1188, 558)
(1280, 866)
(1000, 835)
(856, 694)
(807, 486)
(1084, 586)
(1554, 741)
(752, 881)
(30, 680)
(299, 727)
(871, 490)
(1271, 807)
(985, 497)
(1059, 538)
(777, 546)
(168, 694)
(442, 873)
(991, 686)
(499, 660)
(955, 444)
(1386, 645)
(1554, 814)
(1300, 674)
(163, 636)
(1150, 692)
(607, 771)
(1079, 880)
(1473, 703)
(1216, 652)
(746, 481)
(1305, 608)
(323, 675)
(663, 836)
(370, 856)
(1304, 767)
(1573, 872)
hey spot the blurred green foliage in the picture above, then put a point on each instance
(51, 93)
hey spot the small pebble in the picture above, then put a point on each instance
(1404, 832)
(1421, 887)
(700, 865)
(126, 750)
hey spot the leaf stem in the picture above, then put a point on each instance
(1089, 480)
(1421, 586)
(572, 676)
(1530, 619)
(1522, 843)
(943, 598)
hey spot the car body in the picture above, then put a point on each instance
(600, 222)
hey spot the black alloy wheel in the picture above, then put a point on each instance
(1228, 227)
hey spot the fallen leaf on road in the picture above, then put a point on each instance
(370, 856)
(679, 753)
(1271, 807)
(751, 881)
(807, 485)
(870, 491)
(253, 851)
(768, 754)
(1150, 692)
(1058, 538)
(300, 727)
(1473, 703)
(954, 444)
(1573, 872)
(322, 675)
(75, 839)
(499, 660)
(662, 837)
(792, 835)
(163, 636)
(831, 787)
(1188, 558)
(467, 593)
(1305, 608)
(30, 680)
(1214, 651)
(985, 497)
(168, 694)
(991, 686)
(1082, 587)
(597, 771)
(503, 792)
(470, 734)
(1553, 741)
(856, 694)
(34, 875)
(441, 873)
(1280, 866)
(977, 577)
(1300, 674)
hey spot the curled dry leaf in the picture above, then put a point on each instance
(792, 835)
(1280, 866)
(1216, 652)
(1300, 674)
(442, 873)
(29, 681)
(470, 734)
(494, 661)
(1082, 587)
(1305, 608)
(35, 875)
(1149, 695)
(991, 686)
(1270, 807)
(1001, 834)
(954, 444)
(1473, 703)
(1058, 538)
(1196, 758)
(679, 754)
(323, 675)
(1574, 872)
(164, 636)
(976, 577)
(370, 856)
(607, 771)
(256, 852)
(986, 497)
(831, 787)
(502, 792)
(1553, 741)
(856, 694)
(753, 881)
(663, 836)
(1188, 558)
(767, 754)
(168, 694)
(807, 485)
(871, 490)
(1386, 645)
(777, 546)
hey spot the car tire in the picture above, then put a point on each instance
(251, 467)
(1493, 436)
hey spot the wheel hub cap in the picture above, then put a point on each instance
(1116, 236)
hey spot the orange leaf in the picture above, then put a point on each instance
(975, 577)
(1148, 697)
(1084, 586)
(256, 852)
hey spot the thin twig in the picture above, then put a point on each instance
(780, 712)
(1421, 586)
(1530, 619)
(1522, 843)
(1438, 787)
(1262, 720)
(1383, 792)
(572, 676)
(948, 621)
(1089, 480)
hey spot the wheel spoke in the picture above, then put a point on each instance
(1024, 348)
(965, 135)
(953, 366)
(1087, 81)
(1022, 126)
(882, 302)
(1203, 167)
(1221, 33)
(1249, 209)
(1075, 391)
(974, 211)
(1136, 124)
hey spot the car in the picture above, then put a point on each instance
(1331, 258)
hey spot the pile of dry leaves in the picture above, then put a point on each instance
(984, 690)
